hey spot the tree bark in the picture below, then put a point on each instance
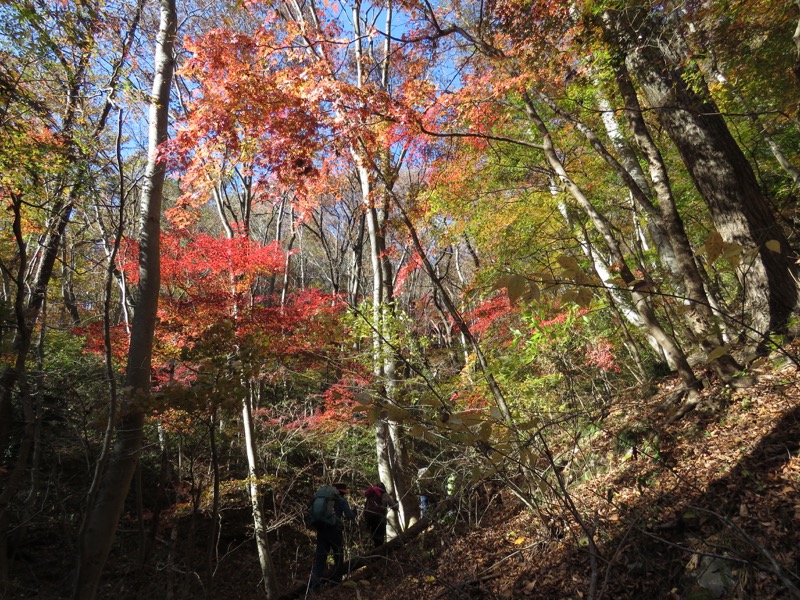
(720, 171)
(674, 354)
(100, 524)
(259, 523)
(699, 317)
(796, 40)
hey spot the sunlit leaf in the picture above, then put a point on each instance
(713, 246)
(717, 352)
(516, 287)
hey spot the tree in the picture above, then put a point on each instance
(53, 117)
(718, 168)
(105, 508)
(316, 92)
(217, 280)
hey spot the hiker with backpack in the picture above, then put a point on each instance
(378, 502)
(328, 509)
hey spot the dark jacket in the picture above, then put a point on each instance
(343, 511)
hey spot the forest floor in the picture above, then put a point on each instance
(705, 506)
(700, 507)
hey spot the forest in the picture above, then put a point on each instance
(531, 264)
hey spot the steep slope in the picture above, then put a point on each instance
(705, 506)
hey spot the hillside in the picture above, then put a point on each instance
(704, 507)
(515, 257)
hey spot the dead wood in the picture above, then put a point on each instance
(379, 553)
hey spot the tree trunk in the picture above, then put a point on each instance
(241, 218)
(100, 524)
(796, 39)
(354, 281)
(388, 437)
(259, 523)
(699, 315)
(653, 328)
(720, 171)
(211, 552)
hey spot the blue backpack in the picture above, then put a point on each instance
(323, 507)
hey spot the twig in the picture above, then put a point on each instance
(470, 582)
(777, 569)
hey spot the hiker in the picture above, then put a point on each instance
(328, 509)
(376, 505)
(426, 490)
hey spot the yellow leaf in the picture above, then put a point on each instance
(774, 245)
(533, 293)
(517, 286)
(568, 263)
(544, 277)
(584, 297)
(502, 282)
(734, 253)
(713, 246)
(569, 266)
(519, 541)
(485, 431)
(362, 398)
(717, 352)
(570, 296)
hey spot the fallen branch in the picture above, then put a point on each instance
(464, 585)
(359, 562)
